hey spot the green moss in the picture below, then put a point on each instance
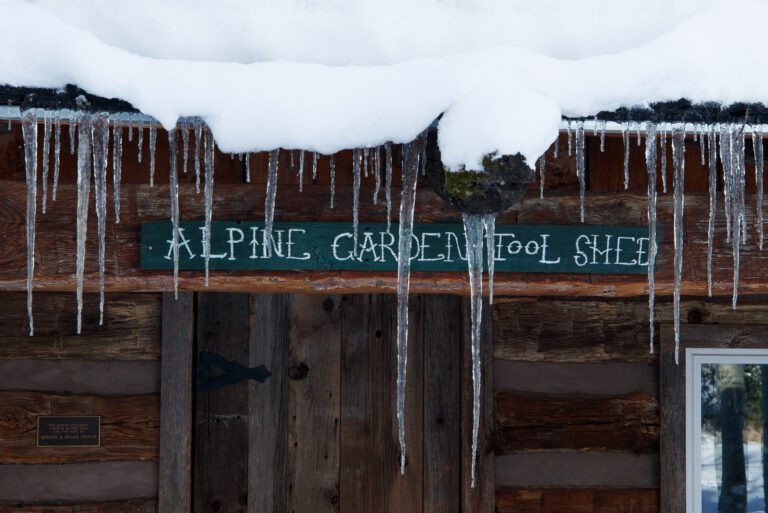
(461, 184)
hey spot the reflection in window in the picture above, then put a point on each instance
(733, 433)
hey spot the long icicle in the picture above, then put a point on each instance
(100, 147)
(184, 127)
(198, 149)
(377, 173)
(332, 166)
(737, 217)
(405, 230)
(140, 138)
(83, 195)
(678, 160)
(663, 150)
(29, 131)
(47, 125)
(269, 200)
(726, 137)
(580, 168)
(489, 223)
(650, 165)
(73, 119)
(757, 147)
(388, 183)
(117, 166)
(625, 138)
(173, 181)
(56, 155)
(542, 173)
(712, 136)
(152, 146)
(208, 157)
(357, 160)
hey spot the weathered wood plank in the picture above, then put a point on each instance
(131, 329)
(57, 245)
(221, 429)
(440, 329)
(370, 455)
(82, 482)
(314, 391)
(129, 427)
(81, 376)
(175, 492)
(268, 403)
(130, 506)
(532, 422)
(480, 498)
(579, 500)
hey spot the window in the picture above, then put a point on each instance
(726, 430)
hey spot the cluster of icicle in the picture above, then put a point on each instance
(723, 141)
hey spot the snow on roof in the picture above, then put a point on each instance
(337, 74)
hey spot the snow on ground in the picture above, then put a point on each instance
(329, 75)
(709, 476)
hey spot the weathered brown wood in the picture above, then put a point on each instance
(81, 376)
(314, 391)
(129, 427)
(131, 329)
(130, 506)
(563, 500)
(370, 456)
(268, 403)
(532, 422)
(673, 398)
(440, 329)
(480, 498)
(175, 492)
(56, 243)
(84, 482)
(221, 428)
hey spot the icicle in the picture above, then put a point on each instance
(300, 171)
(72, 127)
(726, 141)
(357, 155)
(198, 148)
(293, 162)
(423, 153)
(712, 136)
(29, 131)
(185, 149)
(56, 155)
(152, 146)
(173, 189)
(208, 155)
(473, 231)
(47, 125)
(625, 138)
(131, 121)
(650, 165)
(489, 223)
(557, 146)
(570, 139)
(639, 132)
(333, 179)
(377, 174)
(366, 153)
(580, 169)
(757, 146)
(405, 231)
(602, 136)
(388, 183)
(678, 161)
(703, 143)
(663, 150)
(247, 168)
(738, 216)
(542, 173)
(269, 201)
(100, 145)
(314, 167)
(140, 139)
(83, 194)
(301, 164)
(117, 166)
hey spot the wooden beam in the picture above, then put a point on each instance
(129, 506)
(56, 243)
(576, 500)
(175, 491)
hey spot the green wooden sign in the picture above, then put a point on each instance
(436, 247)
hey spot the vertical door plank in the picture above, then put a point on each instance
(441, 334)
(268, 403)
(221, 435)
(175, 490)
(480, 498)
(314, 391)
(370, 460)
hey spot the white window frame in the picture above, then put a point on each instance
(695, 358)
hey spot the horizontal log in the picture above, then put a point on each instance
(534, 422)
(129, 427)
(56, 243)
(131, 329)
(130, 506)
(80, 376)
(578, 500)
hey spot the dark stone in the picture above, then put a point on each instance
(501, 183)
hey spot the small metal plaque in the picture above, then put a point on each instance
(61, 431)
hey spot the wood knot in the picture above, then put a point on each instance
(298, 372)
(695, 316)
